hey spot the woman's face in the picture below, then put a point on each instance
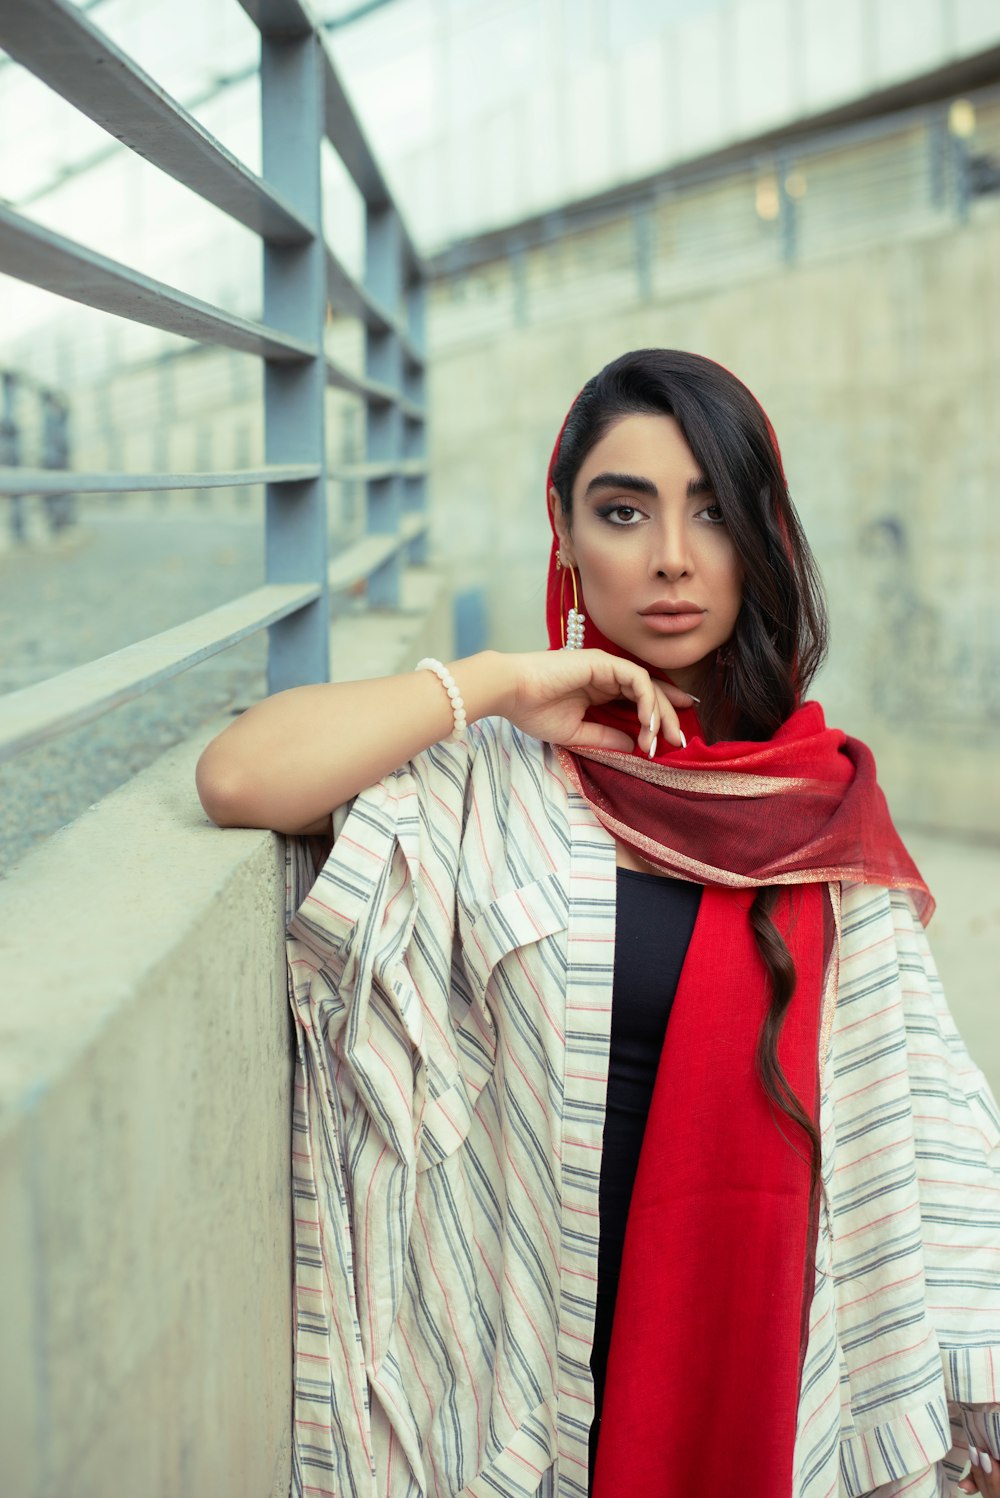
(646, 536)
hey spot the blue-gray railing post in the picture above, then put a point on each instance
(292, 123)
(414, 418)
(351, 454)
(60, 509)
(384, 363)
(644, 243)
(787, 211)
(518, 260)
(938, 149)
(10, 449)
(10, 444)
(961, 184)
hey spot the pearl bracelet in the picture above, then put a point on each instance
(454, 695)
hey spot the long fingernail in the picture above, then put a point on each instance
(693, 697)
(984, 1457)
(684, 742)
(652, 748)
(974, 1455)
(652, 719)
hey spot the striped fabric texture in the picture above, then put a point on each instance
(450, 970)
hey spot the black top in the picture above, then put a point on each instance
(653, 925)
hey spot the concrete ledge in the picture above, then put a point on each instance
(146, 1064)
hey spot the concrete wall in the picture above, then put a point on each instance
(880, 369)
(146, 1061)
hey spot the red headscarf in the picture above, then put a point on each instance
(712, 1312)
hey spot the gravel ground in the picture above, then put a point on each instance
(112, 581)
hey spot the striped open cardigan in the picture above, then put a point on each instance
(450, 973)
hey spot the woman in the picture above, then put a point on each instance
(694, 933)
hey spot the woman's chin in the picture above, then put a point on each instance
(678, 658)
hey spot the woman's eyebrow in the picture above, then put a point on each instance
(638, 485)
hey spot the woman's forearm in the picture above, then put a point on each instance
(291, 759)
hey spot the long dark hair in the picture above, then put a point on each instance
(779, 641)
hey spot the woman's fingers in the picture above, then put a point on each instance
(600, 736)
(656, 704)
(677, 695)
(658, 723)
(656, 714)
(983, 1476)
(668, 714)
(662, 725)
(981, 1427)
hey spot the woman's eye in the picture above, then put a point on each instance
(714, 514)
(619, 514)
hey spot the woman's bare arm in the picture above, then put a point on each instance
(291, 759)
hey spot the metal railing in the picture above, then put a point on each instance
(302, 102)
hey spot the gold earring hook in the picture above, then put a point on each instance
(575, 611)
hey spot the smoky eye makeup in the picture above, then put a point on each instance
(606, 512)
(705, 500)
(608, 493)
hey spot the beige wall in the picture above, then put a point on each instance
(880, 370)
(146, 1063)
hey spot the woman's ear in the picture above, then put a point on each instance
(561, 524)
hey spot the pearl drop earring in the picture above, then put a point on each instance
(575, 620)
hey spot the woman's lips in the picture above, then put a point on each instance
(672, 624)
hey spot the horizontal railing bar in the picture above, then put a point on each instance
(65, 481)
(35, 714)
(366, 556)
(409, 468)
(86, 163)
(66, 50)
(345, 135)
(347, 138)
(37, 255)
(349, 296)
(372, 391)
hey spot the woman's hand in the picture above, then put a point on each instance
(984, 1474)
(552, 690)
(979, 1480)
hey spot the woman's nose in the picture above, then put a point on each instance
(670, 555)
